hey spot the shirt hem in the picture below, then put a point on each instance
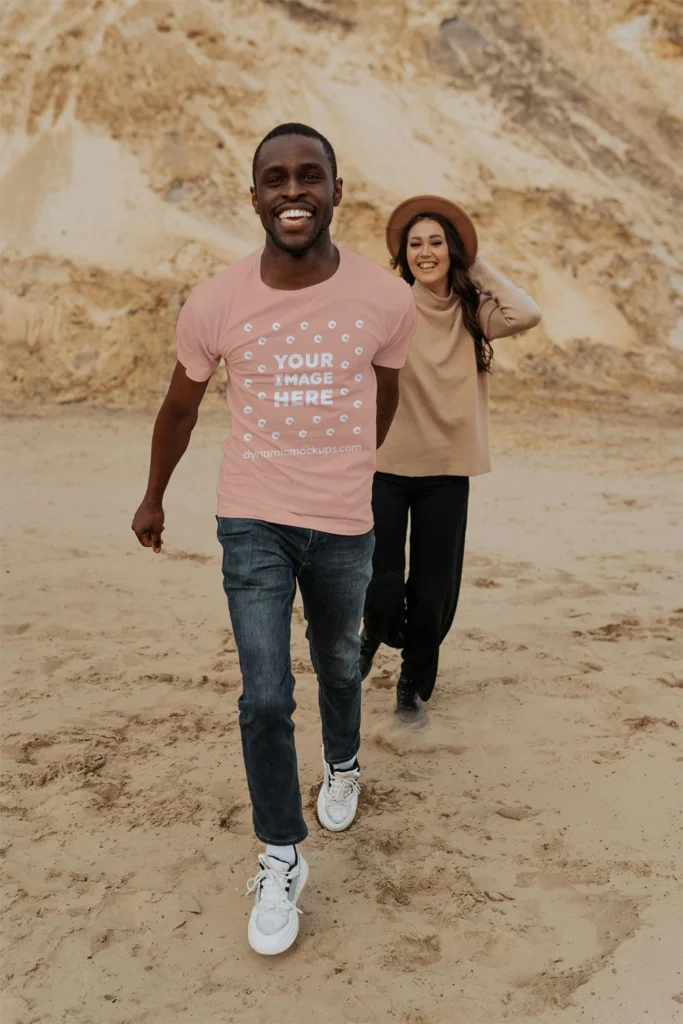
(425, 469)
(198, 376)
(280, 517)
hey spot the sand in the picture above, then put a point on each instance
(517, 860)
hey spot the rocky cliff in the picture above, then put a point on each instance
(129, 127)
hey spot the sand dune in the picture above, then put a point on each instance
(129, 127)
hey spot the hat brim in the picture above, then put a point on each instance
(410, 208)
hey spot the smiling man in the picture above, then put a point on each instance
(313, 337)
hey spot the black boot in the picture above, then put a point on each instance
(368, 650)
(407, 701)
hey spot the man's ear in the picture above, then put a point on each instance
(338, 191)
(254, 198)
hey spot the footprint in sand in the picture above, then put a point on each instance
(516, 813)
(414, 952)
(383, 680)
(18, 630)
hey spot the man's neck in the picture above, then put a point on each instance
(283, 270)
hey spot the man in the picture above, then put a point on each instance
(313, 337)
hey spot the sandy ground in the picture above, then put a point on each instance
(516, 860)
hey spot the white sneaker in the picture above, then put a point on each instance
(338, 798)
(274, 921)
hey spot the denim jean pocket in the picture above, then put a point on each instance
(227, 527)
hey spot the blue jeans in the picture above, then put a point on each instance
(262, 563)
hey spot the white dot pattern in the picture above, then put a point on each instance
(307, 369)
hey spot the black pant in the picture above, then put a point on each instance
(417, 615)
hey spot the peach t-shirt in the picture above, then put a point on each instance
(301, 387)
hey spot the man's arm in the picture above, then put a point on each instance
(387, 400)
(172, 430)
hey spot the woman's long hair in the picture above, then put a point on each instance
(460, 281)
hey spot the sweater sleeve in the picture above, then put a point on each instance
(504, 309)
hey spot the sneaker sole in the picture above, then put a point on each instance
(288, 936)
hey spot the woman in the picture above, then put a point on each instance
(439, 438)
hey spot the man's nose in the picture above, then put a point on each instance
(292, 187)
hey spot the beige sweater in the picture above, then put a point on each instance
(441, 427)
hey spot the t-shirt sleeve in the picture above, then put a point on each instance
(394, 351)
(195, 349)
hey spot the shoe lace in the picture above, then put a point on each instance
(272, 885)
(343, 785)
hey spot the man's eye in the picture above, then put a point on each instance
(311, 177)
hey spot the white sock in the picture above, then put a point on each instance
(285, 853)
(344, 766)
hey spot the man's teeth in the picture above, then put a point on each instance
(294, 214)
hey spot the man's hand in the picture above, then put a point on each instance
(174, 425)
(148, 525)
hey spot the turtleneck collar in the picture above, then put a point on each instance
(426, 300)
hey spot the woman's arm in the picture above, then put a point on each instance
(504, 309)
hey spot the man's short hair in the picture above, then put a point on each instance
(293, 128)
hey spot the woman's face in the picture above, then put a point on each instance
(428, 256)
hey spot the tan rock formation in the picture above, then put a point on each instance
(128, 132)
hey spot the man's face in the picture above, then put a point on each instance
(295, 193)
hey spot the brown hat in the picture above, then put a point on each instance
(408, 209)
